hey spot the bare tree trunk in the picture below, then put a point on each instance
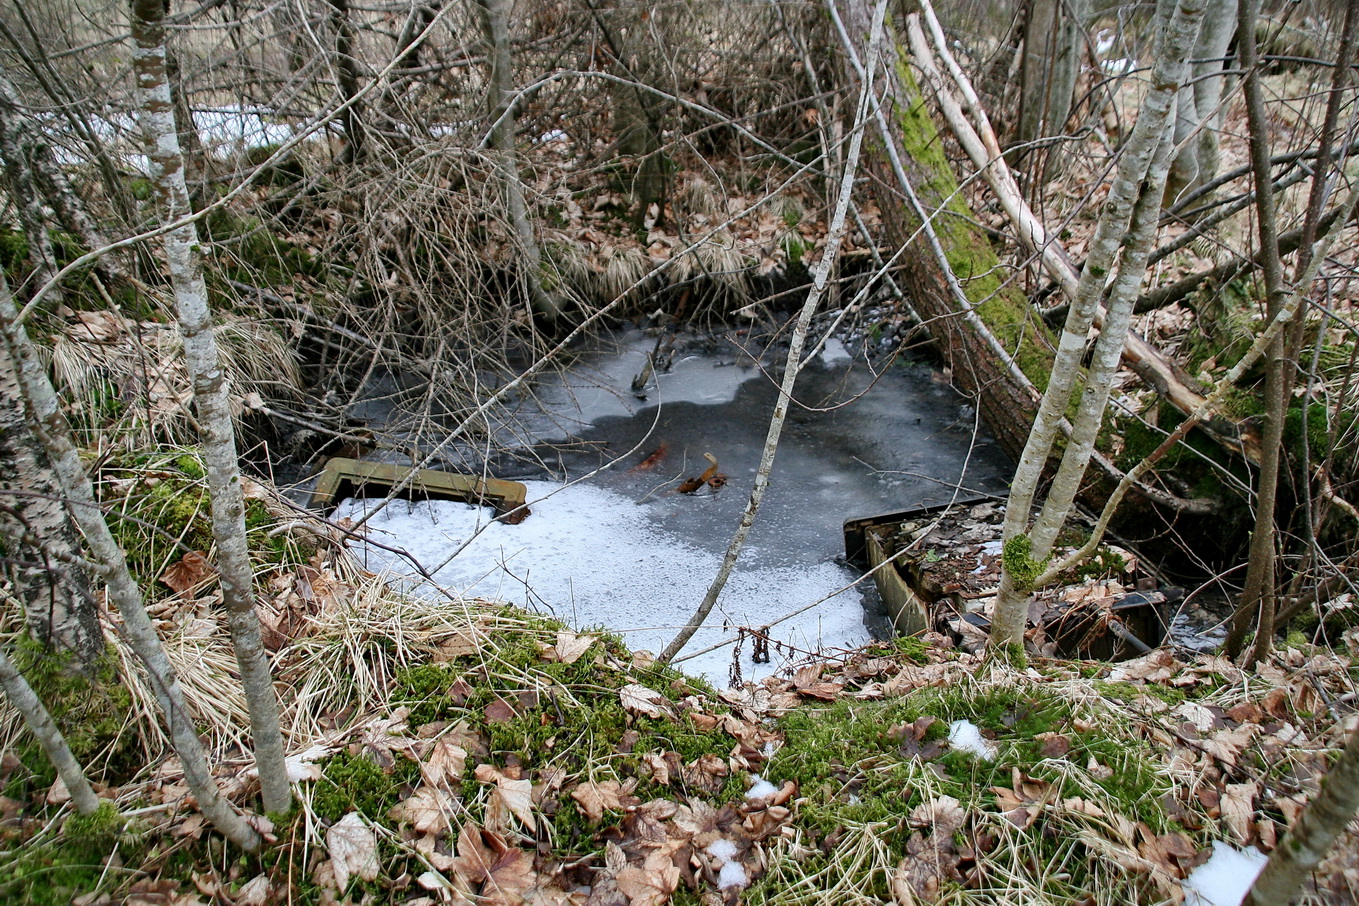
(348, 68)
(1124, 236)
(216, 430)
(15, 130)
(41, 725)
(1054, 45)
(1198, 117)
(496, 24)
(55, 435)
(37, 531)
(1257, 599)
(1311, 837)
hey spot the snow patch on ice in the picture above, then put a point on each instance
(964, 736)
(593, 557)
(834, 352)
(1225, 878)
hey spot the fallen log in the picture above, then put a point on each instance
(978, 140)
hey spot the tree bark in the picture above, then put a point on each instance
(216, 431)
(39, 539)
(496, 25)
(1054, 45)
(1257, 598)
(1311, 837)
(1198, 117)
(1123, 238)
(49, 424)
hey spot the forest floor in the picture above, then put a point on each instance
(458, 751)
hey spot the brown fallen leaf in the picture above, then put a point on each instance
(428, 810)
(641, 700)
(653, 459)
(569, 648)
(596, 798)
(512, 796)
(191, 571)
(446, 764)
(353, 850)
(498, 873)
(711, 477)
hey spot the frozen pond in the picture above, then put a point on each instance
(624, 549)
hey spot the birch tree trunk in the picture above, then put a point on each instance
(49, 424)
(1123, 237)
(38, 536)
(44, 728)
(216, 431)
(496, 25)
(1198, 117)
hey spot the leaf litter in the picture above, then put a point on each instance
(516, 761)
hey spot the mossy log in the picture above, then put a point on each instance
(1006, 404)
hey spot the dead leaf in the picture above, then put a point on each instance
(569, 648)
(502, 873)
(596, 798)
(1238, 807)
(428, 810)
(641, 700)
(353, 850)
(256, 892)
(446, 765)
(192, 570)
(511, 795)
(944, 814)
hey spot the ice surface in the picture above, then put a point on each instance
(594, 557)
(964, 736)
(1225, 878)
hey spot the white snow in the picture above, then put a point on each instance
(593, 557)
(760, 788)
(732, 873)
(722, 849)
(964, 736)
(834, 352)
(1225, 878)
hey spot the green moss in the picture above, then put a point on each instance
(99, 828)
(92, 711)
(1019, 562)
(352, 783)
(859, 765)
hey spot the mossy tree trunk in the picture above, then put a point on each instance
(1003, 315)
